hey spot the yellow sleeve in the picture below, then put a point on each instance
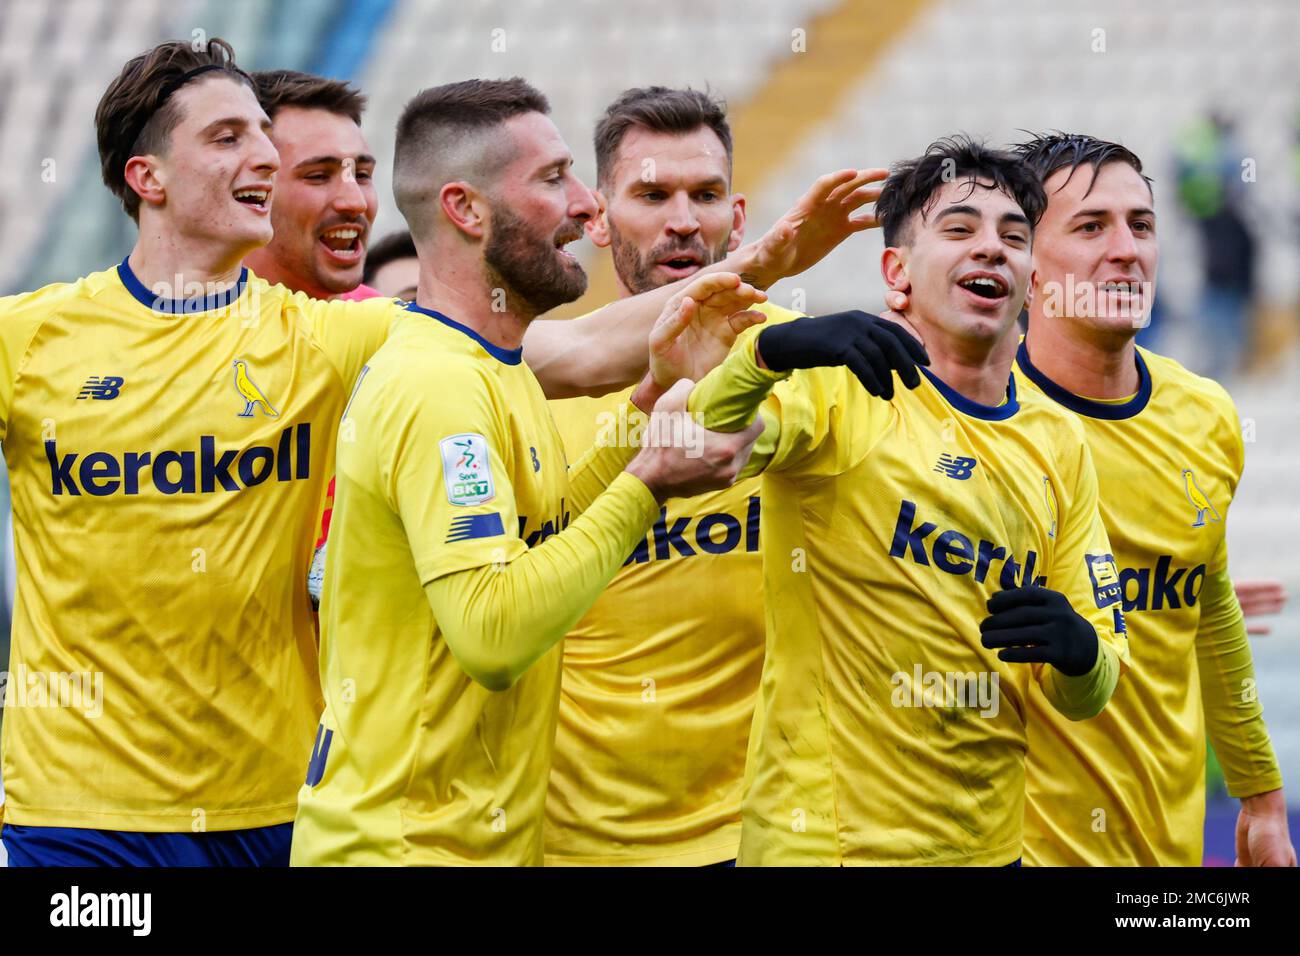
(817, 422)
(446, 471)
(1084, 570)
(1083, 696)
(499, 620)
(349, 332)
(20, 317)
(1234, 716)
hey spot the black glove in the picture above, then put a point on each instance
(867, 344)
(1037, 625)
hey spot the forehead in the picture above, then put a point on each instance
(1118, 186)
(300, 133)
(990, 201)
(534, 141)
(695, 156)
(209, 99)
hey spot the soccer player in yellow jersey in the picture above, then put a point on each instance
(661, 675)
(908, 536)
(462, 551)
(1128, 788)
(168, 426)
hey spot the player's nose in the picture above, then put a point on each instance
(682, 220)
(1122, 246)
(265, 158)
(988, 246)
(582, 201)
(349, 197)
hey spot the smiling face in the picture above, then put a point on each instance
(965, 262)
(325, 203)
(669, 209)
(214, 182)
(1095, 253)
(537, 207)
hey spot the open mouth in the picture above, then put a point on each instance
(985, 286)
(564, 240)
(1129, 287)
(344, 243)
(681, 264)
(254, 198)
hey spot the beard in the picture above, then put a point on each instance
(528, 265)
(637, 271)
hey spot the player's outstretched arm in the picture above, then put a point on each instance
(605, 351)
(500, 618)
(823, 217)
(1234, 720)
(684, 344)
(746, 384)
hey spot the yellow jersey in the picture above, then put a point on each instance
(660, 679)
(168, 460)
(416, 762)
(886, 733)
(1128, 788)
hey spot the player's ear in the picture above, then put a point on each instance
(737, 222)
(464, 208)
(1029, 292)
(142, 175)
(893, 268)
(598, 225)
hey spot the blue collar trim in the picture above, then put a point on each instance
(218, 300)
(991, 413)
(508, 356)
(1086, 406)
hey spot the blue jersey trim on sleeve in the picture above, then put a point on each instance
(146, 298)
(508, 356)
(1086, 406)
(475, 526)
(992, 413)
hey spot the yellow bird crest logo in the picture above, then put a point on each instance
(1052, 512)
(1198, 500)
(251, 394)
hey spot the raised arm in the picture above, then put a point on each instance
(605, 351)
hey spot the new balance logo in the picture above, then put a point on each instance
(955, 466)
(101, 388)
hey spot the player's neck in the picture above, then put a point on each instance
(1091, 365)
(463, 294)
(973, 370)
(264, 265)
(180, 270)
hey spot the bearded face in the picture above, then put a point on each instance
(531, 264)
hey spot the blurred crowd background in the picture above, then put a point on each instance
(1207, 93)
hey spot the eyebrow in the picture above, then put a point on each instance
(709, 182)
(1103, 213)
(972, 211)
(237, 122)
(364, 159)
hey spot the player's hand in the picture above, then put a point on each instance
(821, 219)
(316, 576)
(1263, 838)
(1260, 597)
(680, 458)
(871, 348)
(699, 325)
(1038, 626)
